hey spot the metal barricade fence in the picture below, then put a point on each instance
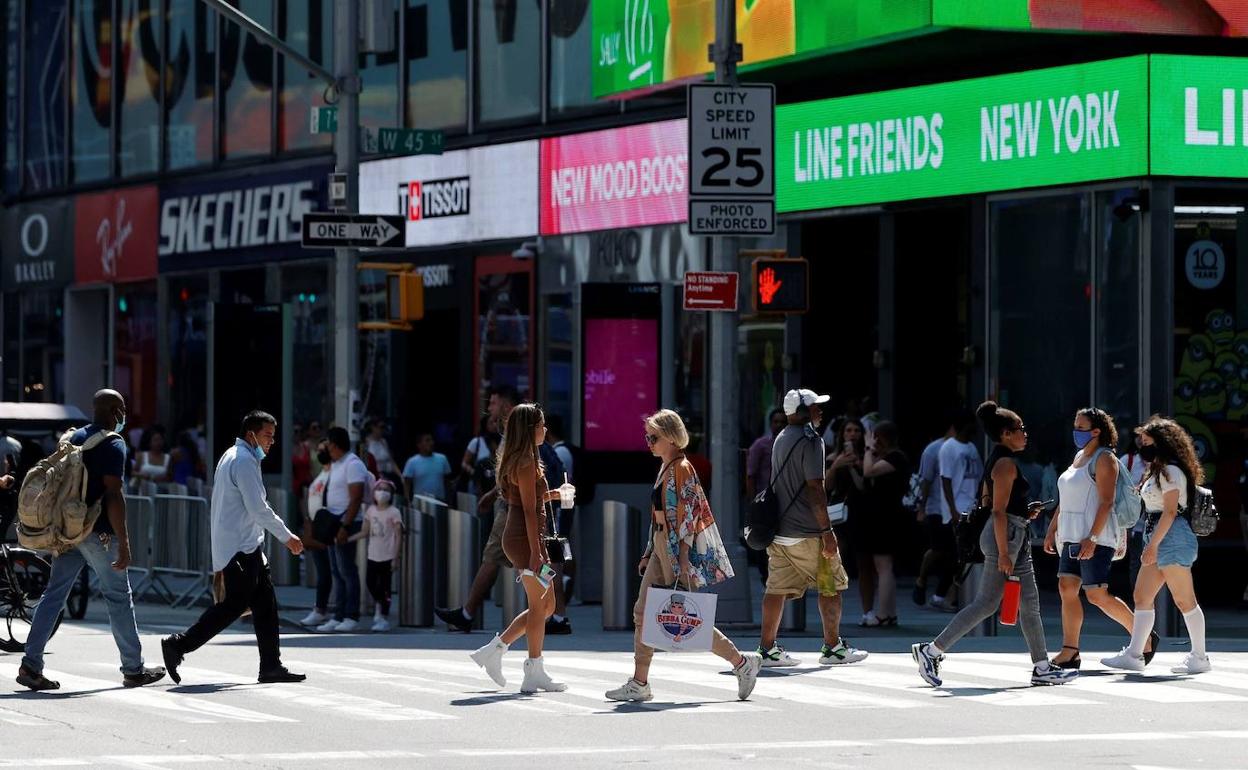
(140, 524)
(172, 541)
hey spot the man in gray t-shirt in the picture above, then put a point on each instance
(805, 553)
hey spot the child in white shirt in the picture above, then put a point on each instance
(382, 526)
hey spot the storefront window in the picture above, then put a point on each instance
(571, 89)
(139, 85)
(557, 380)
(509, 41)
(1117, 334)
(1041, 315)
(34, 346)
(1211, 336)
(188, 352)
(91, 97)
(134, 363)
(504, 326)
(43, 142)
(436, 57)
(190, 83)
(379, 73)
(306, 288)
(246, 84)
(308, 26)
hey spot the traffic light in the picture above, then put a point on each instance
(405, 297)
(781, 285)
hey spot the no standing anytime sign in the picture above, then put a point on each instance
(732, 180)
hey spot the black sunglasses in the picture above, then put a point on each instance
(651, 439)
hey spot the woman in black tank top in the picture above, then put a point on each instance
(1006, 543)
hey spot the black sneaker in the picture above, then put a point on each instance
(455, 619)
(919, 594)
(280, 674)
(558, 627)
(173, 658)
(1154, 641)
(37, 682)
(145, 677)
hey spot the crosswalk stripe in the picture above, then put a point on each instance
(871, 673)
(1110, 683)
(305, 696)
(24, 720)
(586, 687)
(182, 708)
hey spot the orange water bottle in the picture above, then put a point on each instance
(1009, 601)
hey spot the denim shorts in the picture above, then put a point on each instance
(1178, 548)
(1093, 572)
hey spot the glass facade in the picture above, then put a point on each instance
(138, 86)
(308, 26)
(91, 91)
(307, 289)
(246, 67)
(190, 84)
(435, 52)
(44, 93)
(187, 330)
(508, 74)
(34, 346)
(571, 42)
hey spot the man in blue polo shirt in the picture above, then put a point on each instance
(106, 551)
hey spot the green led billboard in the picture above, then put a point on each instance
(1045, 127)
(1199, 116)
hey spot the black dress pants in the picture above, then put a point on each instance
(248, 585)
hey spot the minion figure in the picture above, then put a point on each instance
(1221, 327)
(1197, 357)
(1211, 395)
(1227, 364)
(1205, 443)
(1240, 345)
(1237, 404)
(1184, 395)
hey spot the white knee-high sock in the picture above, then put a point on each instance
(1195, 621)
(1140, 629)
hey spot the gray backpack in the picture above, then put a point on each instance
(52, 510)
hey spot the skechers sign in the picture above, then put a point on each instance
(482, 194)
(237, 219)
(1055, 126)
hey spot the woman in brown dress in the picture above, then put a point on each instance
(523, 483)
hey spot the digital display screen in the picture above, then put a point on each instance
(621, 382)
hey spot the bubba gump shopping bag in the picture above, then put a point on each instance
(678, 621)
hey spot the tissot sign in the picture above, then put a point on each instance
(481, 194)
(238, 219)
(38, 245)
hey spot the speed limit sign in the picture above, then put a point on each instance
(731, 156)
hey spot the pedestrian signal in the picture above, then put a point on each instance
(781, 285)
(405, 296)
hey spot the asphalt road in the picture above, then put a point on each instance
(415, 700)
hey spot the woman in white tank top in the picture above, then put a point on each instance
(151, 464)
(1083, 533)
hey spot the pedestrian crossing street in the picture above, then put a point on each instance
(435, 685)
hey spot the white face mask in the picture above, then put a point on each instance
(382, 498)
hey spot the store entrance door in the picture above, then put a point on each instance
(249, 366)
(88, 343)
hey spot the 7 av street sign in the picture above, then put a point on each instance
(321, 230)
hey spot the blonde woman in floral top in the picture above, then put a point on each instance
(684, 541)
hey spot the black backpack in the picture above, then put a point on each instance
(763, 518)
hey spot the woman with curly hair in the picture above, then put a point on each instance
(1169, 543)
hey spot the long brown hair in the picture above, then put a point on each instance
(1174, 445)
(518, 449)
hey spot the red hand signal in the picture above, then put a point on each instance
(768, 285)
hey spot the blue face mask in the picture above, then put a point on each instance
(1081, 437)
(258, 452)
(120, 427)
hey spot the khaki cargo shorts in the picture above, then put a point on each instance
(493, 553)
(792, 570)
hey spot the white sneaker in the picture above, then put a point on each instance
(535, 678)
(1193, 664)
(929, 664)
(746, 673)
(314, 619)
(633, 692)
(869, 620)
(940, 604)
(347, 626)
(1125, 661)
(1052, 675)
(380, 625)
(490, 658)
(328, 627)
(840, 655)
(776, 657)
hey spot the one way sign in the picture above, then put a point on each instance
(325, 230)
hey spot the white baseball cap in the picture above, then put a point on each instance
(802, 397)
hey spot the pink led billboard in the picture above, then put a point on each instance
(622, 177)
